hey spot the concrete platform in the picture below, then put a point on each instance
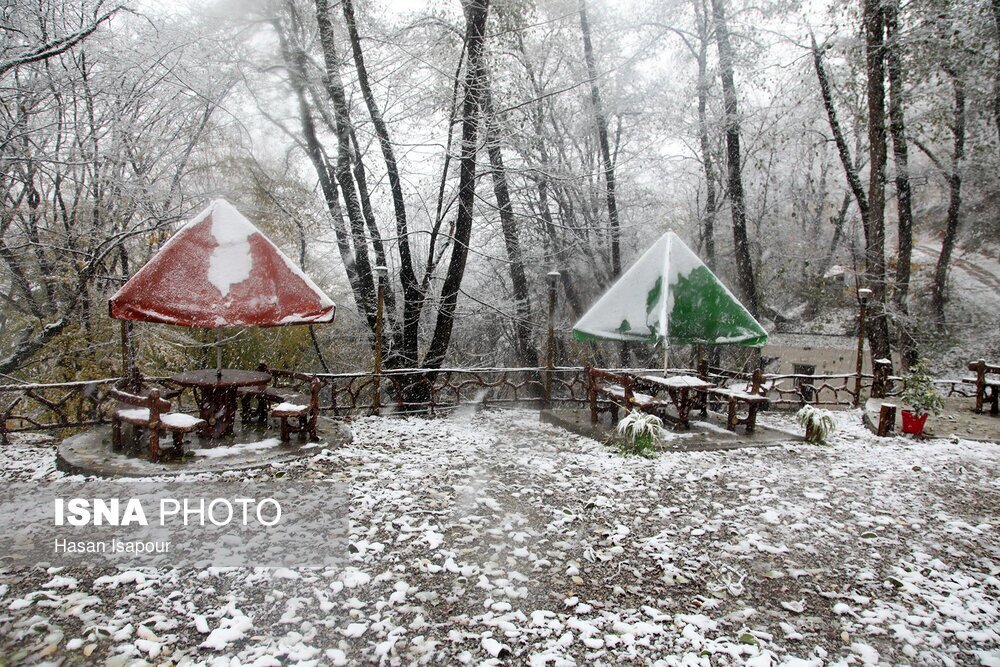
(89, 453)
(956, 419)
(703, 436)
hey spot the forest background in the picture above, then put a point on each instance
(803, 149)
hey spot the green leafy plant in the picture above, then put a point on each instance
(818, 422)
(639, 433)
(920, 395)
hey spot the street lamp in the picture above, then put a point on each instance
(381, 273)
(553, 278)
(863, 294)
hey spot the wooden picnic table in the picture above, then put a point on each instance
(682, 389)
(216, 392)
(987, 388)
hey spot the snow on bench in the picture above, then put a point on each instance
(149, 411)
(638, 398)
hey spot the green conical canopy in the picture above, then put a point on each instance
(669, 289)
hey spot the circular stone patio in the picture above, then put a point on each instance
(90, 453)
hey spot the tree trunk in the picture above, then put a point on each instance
(602, 138)
(954, 201)
(838, 233)
(475, 35)
(708, 222)
(897, 129)
(843, 150)
(737, 199)
(335, 89)
(878, 328)
(527, 353)
(996, 71)
(609, 168)
(378, 246)
(295, 62)
(413, 296)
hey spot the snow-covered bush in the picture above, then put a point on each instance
(818, 422)
(640, 433)
(920, 395)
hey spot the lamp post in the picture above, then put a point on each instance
(381, 273)
(863, 295)
(553, 277)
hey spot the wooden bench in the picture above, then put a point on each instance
(291, 396)
(618, 391)
(987, 389)
(149, 411)
(734, 399)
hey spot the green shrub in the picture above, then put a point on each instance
(818, 422)
(639, 433)
(920, 395)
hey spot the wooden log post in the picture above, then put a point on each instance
(886, 419)
(880, 381)
(979, 368)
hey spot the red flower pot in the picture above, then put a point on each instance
(913, 423)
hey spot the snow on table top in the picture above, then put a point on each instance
(678, 381)
(289, 407)
(497, 526)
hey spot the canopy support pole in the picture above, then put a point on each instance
(218, 355)
(125, 353)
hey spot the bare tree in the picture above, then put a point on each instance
(601, 122)
(526, 351)
(46, 46)
(413, 294)
(953, 175)
(93, 158)
(995, 5)
(475, 36)
(904, 197)
(874, 222)
(737, 198)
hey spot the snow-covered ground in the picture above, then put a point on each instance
(493, 538)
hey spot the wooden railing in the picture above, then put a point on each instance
(434, 391)
(42, 407)
(69, 405)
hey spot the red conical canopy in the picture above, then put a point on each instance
(219, 270)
